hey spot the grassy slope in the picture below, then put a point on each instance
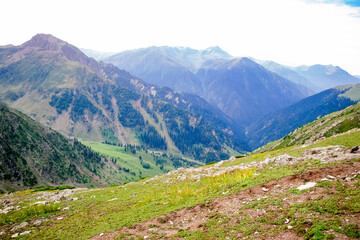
(34, 155)
(334, 123)
(347, 140)
(276, 125)
(353, 93)
(132, 161)
(140, 201)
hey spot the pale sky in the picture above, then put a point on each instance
(291, 32)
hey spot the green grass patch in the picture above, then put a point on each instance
(48, 188)
(27, 213)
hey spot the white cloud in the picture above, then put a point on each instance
(288, 31)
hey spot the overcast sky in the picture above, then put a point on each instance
(292, 32)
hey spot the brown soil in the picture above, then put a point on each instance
(194, 218)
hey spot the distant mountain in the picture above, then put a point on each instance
(245, 90)
(97, 55)
(34, 155)
(55, 83)
(167, 66)
(290, 74)
(326, 76)
(317, 77)
(241, 88)
(276, 125)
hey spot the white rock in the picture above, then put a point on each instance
(15, 235)
(2, 233)
(306, 186)
(331, 177)
(287, 221)
(290, 227)
(171, 222)
(101, 234)
(146, 237)
(75, 198)
(265, 189)
(40, 203)
(24, 233)
(59, 218)
(112, 200)
(66, 208)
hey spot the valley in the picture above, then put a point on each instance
(174, 143)
(252, 196)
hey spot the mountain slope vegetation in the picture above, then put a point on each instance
(276, 125)
(332, 124)
(34, 155)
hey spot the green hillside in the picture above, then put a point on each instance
(278, 124)
(34, 155)
(327, 126)
(141, 162)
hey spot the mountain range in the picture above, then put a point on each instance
(241, 88)
(58, 85)
(223, 103)
(316, 77)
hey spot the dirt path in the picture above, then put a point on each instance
(194, 218)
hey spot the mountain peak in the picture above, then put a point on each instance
(49, 43)
(216, 50)
(45, 41)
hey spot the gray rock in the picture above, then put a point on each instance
(21, 225)
(39, 221)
